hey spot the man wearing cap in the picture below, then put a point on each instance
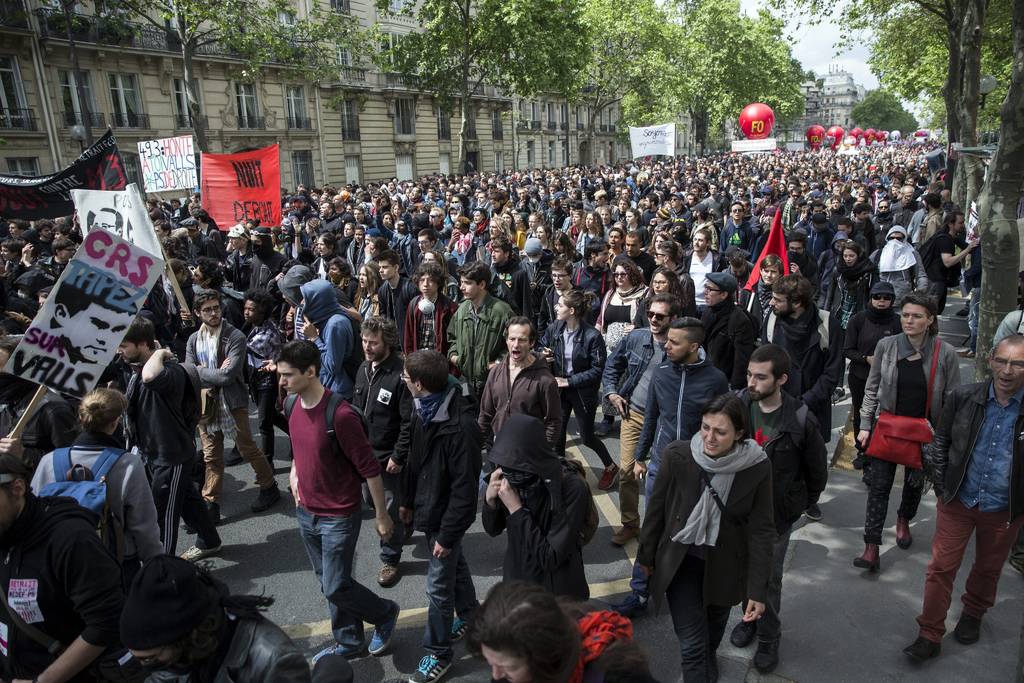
(238, 264)
(59, 579)
(729, 329)
(181, 621)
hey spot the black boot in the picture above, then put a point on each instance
(767, 656)
(922, 649)
(267, 498)
(234, 458)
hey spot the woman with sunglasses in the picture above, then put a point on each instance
(899, 263)
(664, 280)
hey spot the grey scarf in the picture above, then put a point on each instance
(702, 525)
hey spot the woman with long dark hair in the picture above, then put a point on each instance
(850, 289)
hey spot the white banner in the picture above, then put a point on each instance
(651, 140)
(765, 145)
(82, 322)
(122, 212)
(168, 164)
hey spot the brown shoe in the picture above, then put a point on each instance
(388, 575)
(609, 477)
(625, 534)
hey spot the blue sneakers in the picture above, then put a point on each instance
(430, 669)
(459, 628)
(633, 606)
(339, 651)
(381, 638)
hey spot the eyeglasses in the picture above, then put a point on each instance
(711, 289)
(558, 276)
(999, 363)
(621, 274)
(651, 315)
(881, 297)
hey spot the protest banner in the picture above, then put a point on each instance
(243, 186)
(33, 197)
(168, 164)
(762, 145)
(651, 140)
(82, 322)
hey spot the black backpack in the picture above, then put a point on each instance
(590, 523)
(334, 402)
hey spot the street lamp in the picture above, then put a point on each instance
(78, 134)
(987, 85)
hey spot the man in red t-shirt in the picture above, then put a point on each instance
(326, 480)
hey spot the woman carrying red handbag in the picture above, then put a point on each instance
(911, 373)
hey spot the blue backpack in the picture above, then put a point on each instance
(89, 489)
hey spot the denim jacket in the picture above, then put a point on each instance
(630, 358)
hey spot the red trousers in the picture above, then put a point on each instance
(954, 525)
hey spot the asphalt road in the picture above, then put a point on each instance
(838, 623)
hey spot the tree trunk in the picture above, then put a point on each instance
(464, 114)
(700, 129)
(594, 111)
(998, 202)
(951, 92)
(195, 107)
(83, 98)
(969, 97)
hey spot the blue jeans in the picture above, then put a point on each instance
(638, 582)
(331, 544)
(450, 591)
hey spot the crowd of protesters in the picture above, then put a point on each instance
(424, 345)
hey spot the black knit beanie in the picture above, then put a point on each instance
(167, 599)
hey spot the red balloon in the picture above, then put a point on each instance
(756, 121)
(815, 136)
(836, 133)
(870, 134)
(857, 133)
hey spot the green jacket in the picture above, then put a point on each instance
(478, 339)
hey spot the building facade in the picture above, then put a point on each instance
(361, 125)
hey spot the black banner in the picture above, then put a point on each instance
(32, 197)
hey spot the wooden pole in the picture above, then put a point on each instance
(29, 412)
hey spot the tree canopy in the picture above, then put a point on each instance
(881, 110)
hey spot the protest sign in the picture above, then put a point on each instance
(49, 196)
(651, 140)
(762, 145)
(168, 164)
(83, 320)
(122, 212)
(243, 186)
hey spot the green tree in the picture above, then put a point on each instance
(722, 60)
(625, 49)
(881, 110)
(252, 33)
(522, 46)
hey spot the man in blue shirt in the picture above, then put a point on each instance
(976, 462)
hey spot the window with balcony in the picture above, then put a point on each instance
(405, 116)
(126, 102)
(131, 167)
(247, 106)
(13, 112)
(350, 120)
(182, 116)
(344, 57)
(444, 124)
(295, 106)
(471, 124)
(73, 106)
(551, 153)
(23, 165)
(563, 121)
(531, 155)
(497, 127)
(302, 167)
(343, 6)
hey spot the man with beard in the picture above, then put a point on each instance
(730, 332)
(541, 509)
(266, 262)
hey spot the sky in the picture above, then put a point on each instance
(814, 47)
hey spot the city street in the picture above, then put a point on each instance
(850, 625)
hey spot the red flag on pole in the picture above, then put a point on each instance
(776, 244)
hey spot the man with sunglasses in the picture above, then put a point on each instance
(975, 463)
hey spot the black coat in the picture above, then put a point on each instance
(441, 480)
(729, 340)
(386, 403)
(861, 338)
(739, 564)
(588, 358)
(544, 542)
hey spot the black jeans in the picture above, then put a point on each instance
(938, 291)
(586, 411)
(698, 627)
(391, 549)
(857, 394)
(769, 626)
(880, 480)
(176, 497)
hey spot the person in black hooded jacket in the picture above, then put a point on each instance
(730, 331)
(542, 510)
(58, 577)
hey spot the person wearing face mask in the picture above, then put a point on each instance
(542, 510)
(706, 542)
(877, 321)
(266, 262)
(181, 624)
(899, 263)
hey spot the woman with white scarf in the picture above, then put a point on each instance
(899, 263)
(706, 541)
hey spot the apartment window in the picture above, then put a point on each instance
(564, 116)
(530, 154)
(551, 112)
(352, 168)
(396, 6)
(23, 165)
(535, 111)
(302, 167)
(344, 57)
(131, 167)
(295, 105)
(350, 120)
(286, 17)
(524, 110)
(405, 117)
(444, 124)
(403, 166)
(499, 161)
(497, 128)
(11, 94)
(183, 119)
(341, 5)
(73, 106)
(444, 162)
(389, 41)
(248, 106)
(551, 153)
(471, 124)
(124, 96)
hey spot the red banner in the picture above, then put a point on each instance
(775, 244)
(242, 186)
